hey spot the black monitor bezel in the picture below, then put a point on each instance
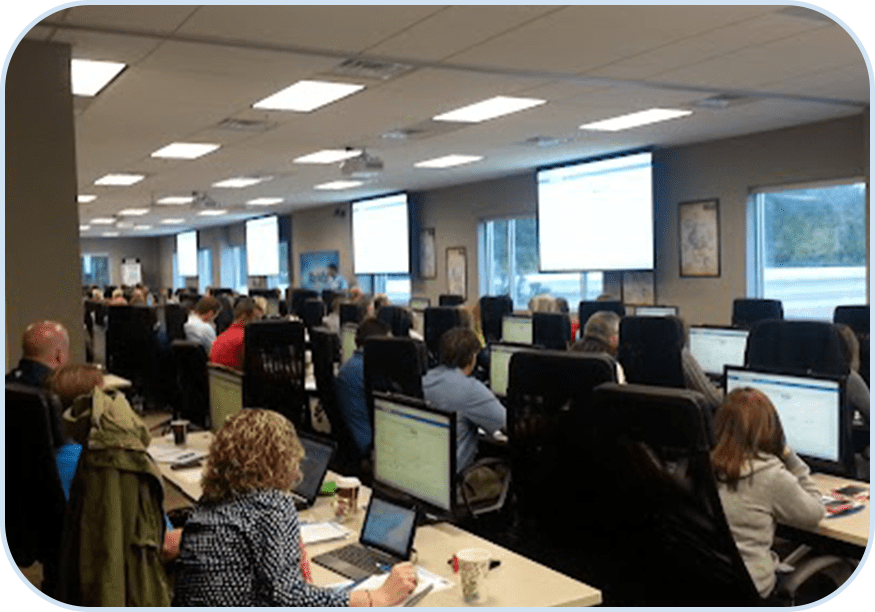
(324, 441)
(395, 502)
(514, 345)
(676, 313)
(719, 328)
(517, 316)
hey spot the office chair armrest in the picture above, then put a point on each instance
(498, 502)
(840, 571)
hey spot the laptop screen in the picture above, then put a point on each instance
(715, 347)
(419, 303)
(389, 527)
(499, 367)
(317, 454)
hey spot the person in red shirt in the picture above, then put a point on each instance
(228, 348)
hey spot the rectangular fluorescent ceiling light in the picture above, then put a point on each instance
(339, 185)
(119, 179)
(172, 221)
(88, 76)
(305, 96)
(176, 200)
(240, 182)
(83, 228)
(103, 221)
(110, 234)
(85, 198)
(212, 213)
(264, 201)
(448, 161)
(134, 212)
(625, 122)
(185, 150)
(142, 227)
(489, 109)
(327, 156)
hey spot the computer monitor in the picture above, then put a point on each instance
(715, 347)
(656, 311)
(226, 394)
(810, 408)
(516, 329)
(347, 341)
(415, 451)
(419, 303)
(499, 367)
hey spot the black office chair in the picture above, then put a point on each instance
(586, 309)
(551, 330)
(650, 350)
(439, 319)
(804, 347)
(175, 317)
(392, 365)
(857, 318)
(192, 397)
(273, 367)
(397, 318)
(298, 297)
(34, 496)
(350, 313)
(450, 299)
(747, 311)
(493, 308)
(312, 312)
(673, 537)
(226, 315)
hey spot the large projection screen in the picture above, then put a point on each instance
(380, 236)
(597, 215)
(186, 253)
(263, 247)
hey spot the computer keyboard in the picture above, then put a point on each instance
(354, 561)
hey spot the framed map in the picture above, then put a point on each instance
(699, 238)
(457, 272)
(427, 254)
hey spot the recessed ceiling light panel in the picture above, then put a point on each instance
(172, 221)
(264, 201)
(88, 77)
(339, 185)
(134, 212)
(185, 150)
(142, 227)
(489, 109)
(212, 212)
(327, 156)
(631, 120)
(122, 180)
(175, 200)
(448, 161)
(305, 96)
(84, 198)
(109, 234)
(83, 228)
(239, 182)
(103, 221)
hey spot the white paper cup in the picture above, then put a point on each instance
(473, 571)
(346, 498)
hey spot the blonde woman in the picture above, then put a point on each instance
(242, 546)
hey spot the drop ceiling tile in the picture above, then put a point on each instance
(39, 32)
(107, 47)
(150, 18)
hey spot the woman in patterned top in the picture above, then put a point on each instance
(242, 546)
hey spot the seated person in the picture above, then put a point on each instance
(856, 388)
(349, 386)
(601, 334)
(228, 348)
(451, 389)
(335, 281)
(45, 346)
(118, 297)
(760, 481)
(199, 327)
(242, 545)
(695, 377)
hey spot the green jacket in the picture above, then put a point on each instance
(114, 528)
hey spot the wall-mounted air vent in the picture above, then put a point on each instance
(245, 125)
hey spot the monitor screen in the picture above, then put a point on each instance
(226, 395)
(317, 455)
(585, 210)
(347, 342)
(419, 303)
(186, 253)
(715, 347)
(516, 329)
(499, 367)
(389, 527)
(380, 236)
(656, 311)
(810, 409)
(262, 246)
(415, 450)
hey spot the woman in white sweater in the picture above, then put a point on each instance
(761, 481)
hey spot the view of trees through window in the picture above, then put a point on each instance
(95, 270)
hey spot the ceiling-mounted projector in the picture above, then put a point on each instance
(362, 166)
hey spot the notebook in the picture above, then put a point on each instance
(317, 454)
(386, 539)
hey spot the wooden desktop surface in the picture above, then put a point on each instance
(518, 581)
(852, 528)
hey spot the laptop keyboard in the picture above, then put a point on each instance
(356, 556)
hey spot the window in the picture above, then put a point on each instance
(178, 281)
(233, 272)
(395, 286)
(204, 269)
(807, 247)
(508, 252)
(281, 280)
(95, 270)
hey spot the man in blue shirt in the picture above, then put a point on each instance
(349, 387)
(335, 281)
(451, 388)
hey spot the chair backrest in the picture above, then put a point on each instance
(552, 330)
(225, 316)
(392, 365)
(855, 317)
(439, 319)
(273, 367)
(175, 317)
(397, 318)
(312, 312)
(650, 350)
(586, 308)
(298, 297)
(492, 310)
(34, 496)
(192, 386)
(350, 313)
(796, 346)
(450, 299)
(747, 311)
(655, 446)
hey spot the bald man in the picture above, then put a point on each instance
(45, 346)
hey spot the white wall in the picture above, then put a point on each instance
(146, 249)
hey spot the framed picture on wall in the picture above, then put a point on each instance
(427, 255)
(699, 238)
(457, 272)
(314, 268)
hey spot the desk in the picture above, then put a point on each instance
(853, 528)
(516, 582)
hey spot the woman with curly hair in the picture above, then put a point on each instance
(242, 545)
(760, 481)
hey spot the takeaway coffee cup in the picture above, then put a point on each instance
(180, 431)
(346, 498)
(473, 571)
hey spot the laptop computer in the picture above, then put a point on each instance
(386, 539)
(317, 455)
